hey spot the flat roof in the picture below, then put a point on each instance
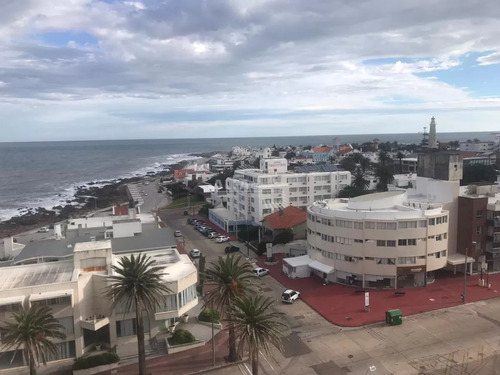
(36, 274)
(92, 245)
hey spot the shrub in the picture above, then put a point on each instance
(209, 315)
(180, 337)
(96, 360)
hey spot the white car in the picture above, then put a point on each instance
(289, 296)
(195, 253)
(259, 271)
(222, 239)
(43, 230)
(178, 233)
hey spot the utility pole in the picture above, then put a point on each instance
(213, 342)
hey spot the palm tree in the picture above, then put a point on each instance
(400, 156)
(136, 284)
(34, 329)
(359, 180)
(257, 326)
(230, 277)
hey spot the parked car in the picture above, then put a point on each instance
(221, 239)
(203, 229)
(43, 230)
(178, 233)
(259, 271)
(289, 296)
(195, 253)
(231, 249)
(213, 234)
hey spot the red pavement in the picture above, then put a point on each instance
(182, 363)
(340, 305)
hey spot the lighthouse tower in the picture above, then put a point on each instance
(432, 134)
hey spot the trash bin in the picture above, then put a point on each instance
(186, 213)
(393, 317)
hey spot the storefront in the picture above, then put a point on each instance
(411, 277)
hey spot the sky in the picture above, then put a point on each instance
(110, 69)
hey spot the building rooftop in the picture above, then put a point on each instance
(286, 218)
(35, 275)
(316, 168)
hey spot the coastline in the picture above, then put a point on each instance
(104, 196)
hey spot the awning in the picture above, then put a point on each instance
(455, 259)
(302, 260)
(11, 300)
(49, 295)
(321, 267)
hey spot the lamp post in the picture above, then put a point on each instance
(213, 343)
(465, 271)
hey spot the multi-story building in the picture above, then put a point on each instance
(69, 274)
(253, 194)
(381, 240)
(477, 146)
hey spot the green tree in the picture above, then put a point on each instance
(230, 277)
(348, 163)
(136, 284)
(400, 156)
(257, 326)
(359, 180)
(33, 329)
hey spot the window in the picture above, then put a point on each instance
(412, 242)
(422, 223)
(358, 225)
(54, 301)
(381, 226)
(67, 325)
(343, 223)
(266, 191)
(128, 327)
(266, 211)
(10, 307)
(391, 243)
(402, 242)
(479, 214)
(293, 190)
(407, 224)
(93, 264)
(369, 225)
(432, 221)
(63, 350)
(407, 260)
(358, 241)
(385, 260)
(380, 243)
(478, 230)
(343, 240)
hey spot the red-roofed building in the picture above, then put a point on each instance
(288, 219)
(321, 154)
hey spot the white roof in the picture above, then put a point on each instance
(49, 295)
(321, 267)
(457, 258)
(302, 260)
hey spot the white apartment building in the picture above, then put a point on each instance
(69, 274)
(253, 194)
(479, 146)
(380, 240)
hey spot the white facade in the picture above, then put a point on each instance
(381, 240)
(73, 287)
(477, 146)
(253, 194)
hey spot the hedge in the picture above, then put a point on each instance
(95, 360)
(208, 315)
(180, 337)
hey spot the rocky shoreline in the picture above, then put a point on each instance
(86, 200)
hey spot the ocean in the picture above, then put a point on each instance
(47, 174)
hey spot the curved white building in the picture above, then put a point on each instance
(381, 240)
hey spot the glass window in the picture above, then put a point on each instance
(391, 243)
(380, 243)
(369, 225)
(358, 225)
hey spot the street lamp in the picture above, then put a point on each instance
(465, 271)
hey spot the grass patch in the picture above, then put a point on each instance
(183, 202)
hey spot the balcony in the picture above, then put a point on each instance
(95, 322)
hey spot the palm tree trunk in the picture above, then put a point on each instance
(255, 361)
(140, 339)
(32, 365)
(233, 357)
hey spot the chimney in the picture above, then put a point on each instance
(8, 247)
(432, 134)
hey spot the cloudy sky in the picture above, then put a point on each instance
(112, 69)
